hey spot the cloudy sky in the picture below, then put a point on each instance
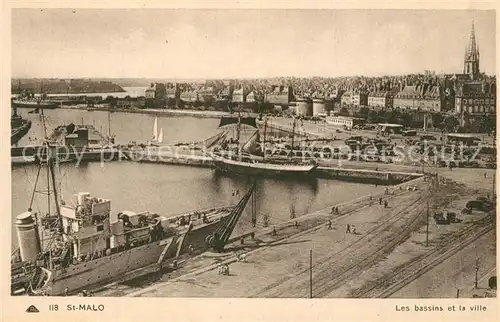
(169, 43)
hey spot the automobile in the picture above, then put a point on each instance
(481, 205)
(409, 133)
(466, 211)
(491, 165)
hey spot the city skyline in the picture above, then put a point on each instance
(196, 44)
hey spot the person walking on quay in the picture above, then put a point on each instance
(353, 231)
(348, 230)
(333, 209)
(485, 175)
(386, 204)
(329, 224)
(380, 200)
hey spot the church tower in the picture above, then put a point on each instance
(471, 59)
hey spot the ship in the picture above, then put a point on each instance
(72, 143)
(19, 127)
(247, 165)
(88, 246)
(29, 100)
(33, 103)
(234, 158)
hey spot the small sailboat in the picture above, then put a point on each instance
(160, 136)
(155, 129)
(157, 137)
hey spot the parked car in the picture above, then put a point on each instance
(480, 204)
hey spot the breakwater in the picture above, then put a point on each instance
(159, 112)
(366, 176)
(63, 154)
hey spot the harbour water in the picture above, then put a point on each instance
(167, 189)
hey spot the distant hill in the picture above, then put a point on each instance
(64, 86)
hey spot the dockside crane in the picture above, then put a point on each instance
(218, 239)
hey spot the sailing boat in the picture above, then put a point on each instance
(160, 136)
(157, 137)
(247, 164)
(155, 129)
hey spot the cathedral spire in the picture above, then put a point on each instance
(471, 61)
(472, 48)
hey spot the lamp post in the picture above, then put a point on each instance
(427, 228)
(477, 270)
(310, 274)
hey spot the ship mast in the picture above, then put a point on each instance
(47, 158)
(293, 135)
(109, 125)
(238, 128)
(264, 140)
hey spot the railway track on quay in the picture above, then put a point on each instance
(418, 266)
(342, 265)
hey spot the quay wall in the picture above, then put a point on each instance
(365, 176)
(165, 112)
(187, 160)
(286, 129)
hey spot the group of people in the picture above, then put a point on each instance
(223, 269)
(386, 203)
(350, 229)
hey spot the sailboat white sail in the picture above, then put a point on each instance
(160, 136)
(155, 129)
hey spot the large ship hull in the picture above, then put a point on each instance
(263, 169)
(18, 132)
(29, 104)
(132, 263)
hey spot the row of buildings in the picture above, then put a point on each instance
(469, 92)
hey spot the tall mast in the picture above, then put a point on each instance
(264, 141)
(293, 134)
(254, 210)
(42, 119)
(109, 124)
(53, 179)
(238, 128)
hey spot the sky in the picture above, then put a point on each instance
(174, 43)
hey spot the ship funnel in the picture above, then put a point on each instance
(27, 236)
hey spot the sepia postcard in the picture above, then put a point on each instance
(249, 161)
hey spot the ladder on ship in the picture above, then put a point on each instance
(218, 239)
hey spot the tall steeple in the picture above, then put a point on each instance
(471, 59)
